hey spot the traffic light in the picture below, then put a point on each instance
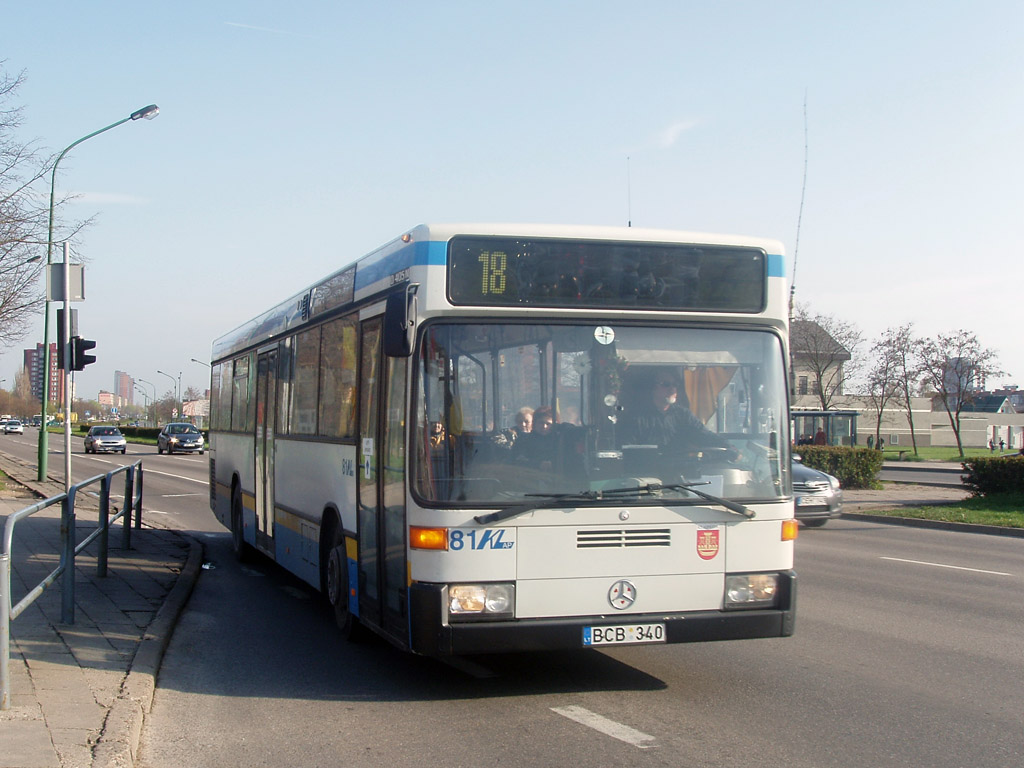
(79, 358)
(72, 331)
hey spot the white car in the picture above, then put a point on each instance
(14, 427)
(105, 440)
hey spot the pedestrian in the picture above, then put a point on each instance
(871, 442)
(1002, 445)
(991, 446)
(819, 437)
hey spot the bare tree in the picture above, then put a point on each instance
(824, 346)
(883, 385)
(955, 367)
(23, 218)
(904, 349)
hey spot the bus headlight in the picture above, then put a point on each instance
(751, 590)
(481, 601)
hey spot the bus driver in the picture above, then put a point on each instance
(664, 418)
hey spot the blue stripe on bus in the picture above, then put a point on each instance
(435, 253)
(417, 255)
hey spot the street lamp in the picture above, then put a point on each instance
(19, 265)
(147, 113)
(199, 361)
(153, 401)
(176, 391)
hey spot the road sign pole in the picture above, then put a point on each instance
(66, 373)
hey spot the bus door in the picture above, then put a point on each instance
(266, 422)
(381, 471)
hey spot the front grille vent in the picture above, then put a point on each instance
(812, 487)
(606, 538)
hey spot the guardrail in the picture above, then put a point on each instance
(69, 550)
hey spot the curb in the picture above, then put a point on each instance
(118, 742)
(942, 525)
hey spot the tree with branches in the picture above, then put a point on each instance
(883, 383)
(955, 366)
(824, 346)
(903, 349)
(24, 216)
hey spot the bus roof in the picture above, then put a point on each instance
(425, 244)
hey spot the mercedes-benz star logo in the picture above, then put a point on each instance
(622, 594)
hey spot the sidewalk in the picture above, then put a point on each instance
(78, 691)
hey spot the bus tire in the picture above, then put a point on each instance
(336, 580)
(238, 544)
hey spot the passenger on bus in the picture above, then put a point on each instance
(539, 447)
(522, 424)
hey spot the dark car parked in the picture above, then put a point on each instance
(105, 440)
(817, 494)
(180, 438)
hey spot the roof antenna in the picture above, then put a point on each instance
(629, 197)
(800, 215)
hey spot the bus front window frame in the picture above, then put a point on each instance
(458, 463)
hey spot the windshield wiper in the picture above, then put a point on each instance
(547, 500)
(732, 506)
(650, 489)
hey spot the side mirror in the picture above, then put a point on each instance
(400, 322)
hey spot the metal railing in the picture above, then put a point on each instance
(69, 550)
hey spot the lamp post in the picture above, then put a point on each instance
(173, 389)
(147, 113)
(153, 401)
(19, 265)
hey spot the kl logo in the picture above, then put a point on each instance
(707, 544)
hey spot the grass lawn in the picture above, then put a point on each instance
(1005, 510)
(940, 453)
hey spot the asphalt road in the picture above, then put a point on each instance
(908, 651)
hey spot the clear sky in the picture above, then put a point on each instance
(294, 137)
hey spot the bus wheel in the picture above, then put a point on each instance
(337, 590)
(238, 545)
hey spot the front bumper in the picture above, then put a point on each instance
(431, 635)
(822, 508)
(185, 447)
(107, 448)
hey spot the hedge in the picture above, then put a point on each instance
(854, 467)
(989, 475)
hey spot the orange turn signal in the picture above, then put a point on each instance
(790, 529)
(428, 538)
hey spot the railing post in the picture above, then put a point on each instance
(5, 630)
(128, 507)
(138, 506)
(67, 558)
(104, 523)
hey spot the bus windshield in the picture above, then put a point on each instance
(504, 411)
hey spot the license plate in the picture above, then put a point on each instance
(624, 634)
(811, 501)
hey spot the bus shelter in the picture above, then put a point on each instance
(824, 427)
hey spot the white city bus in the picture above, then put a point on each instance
(362, 436)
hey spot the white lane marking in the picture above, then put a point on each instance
(152, 471)
(177, 477)
(606, 726)
(180, 495)
(943, 565)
